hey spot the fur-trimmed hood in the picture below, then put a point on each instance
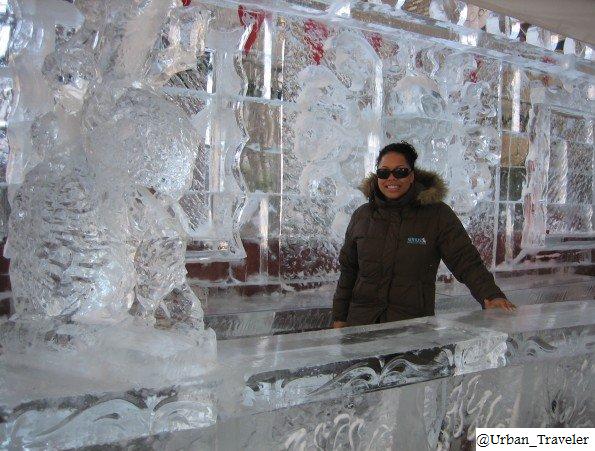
(430, 187)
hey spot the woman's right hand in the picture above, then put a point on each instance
(339, 324)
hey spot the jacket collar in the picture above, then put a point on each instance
(429, 188)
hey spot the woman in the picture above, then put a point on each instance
(394, 243)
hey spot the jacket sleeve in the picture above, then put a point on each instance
(349, 268)
(462, 258)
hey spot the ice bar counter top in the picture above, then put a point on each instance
(425, 383)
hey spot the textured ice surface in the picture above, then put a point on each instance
(181, 44)
(330, 135)
(160, 252)
(143, 135)
(67, 257)
(45, 134)
(71, 68)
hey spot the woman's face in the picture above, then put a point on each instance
(392, 187)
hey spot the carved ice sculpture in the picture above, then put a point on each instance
(338, 109)
(66, 257)
(95, 229)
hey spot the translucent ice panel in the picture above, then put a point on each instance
(261, 171)
(213, 221)
(572, 128)
(568, 219)
(309, 259)
(480, 227)
(448, 11)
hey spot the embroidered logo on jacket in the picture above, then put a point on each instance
(419, 240)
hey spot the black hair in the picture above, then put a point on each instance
(404, 148)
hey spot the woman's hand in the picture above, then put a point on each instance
(339, 324)
(500, 303)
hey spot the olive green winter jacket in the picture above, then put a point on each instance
(391, 253)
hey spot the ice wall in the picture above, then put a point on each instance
(319, 87)
(291, 103)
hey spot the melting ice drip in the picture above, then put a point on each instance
(96, 235)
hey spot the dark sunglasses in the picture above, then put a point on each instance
(398, 173)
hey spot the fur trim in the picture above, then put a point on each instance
(432, 187)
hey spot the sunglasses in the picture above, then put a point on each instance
(398, 173)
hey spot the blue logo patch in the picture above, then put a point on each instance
(418, 240)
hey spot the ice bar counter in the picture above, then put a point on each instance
(419, 384)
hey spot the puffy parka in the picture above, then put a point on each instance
(392, 250)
